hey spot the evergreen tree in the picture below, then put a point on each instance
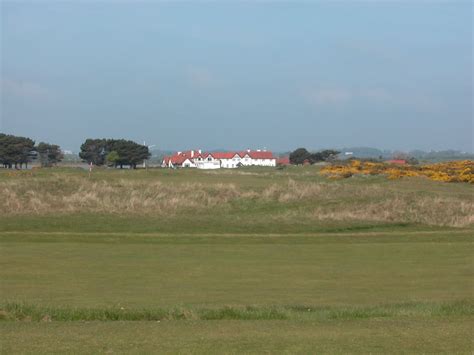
(94, 151)
(49, 154)
(16, 151)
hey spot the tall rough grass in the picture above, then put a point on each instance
(423, 210)
(27, 312)
(316, 201)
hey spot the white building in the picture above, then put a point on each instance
(216, 160)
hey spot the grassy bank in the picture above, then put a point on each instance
(246, 201)
(253, 260)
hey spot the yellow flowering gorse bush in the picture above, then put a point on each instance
(453, 171)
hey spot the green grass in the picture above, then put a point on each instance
(410, 335)
(22, 312)
(247, 274)
(160, 271)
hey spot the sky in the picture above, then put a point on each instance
(235, 75)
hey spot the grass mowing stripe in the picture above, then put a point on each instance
(232, 235)
(294, 238)
(13, 311)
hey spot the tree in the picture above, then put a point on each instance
(128, 152)
(324, 155)
(299, 156)
(93, 151)
(16, 151)
(138, 154)
(49, 154)
(112, 158)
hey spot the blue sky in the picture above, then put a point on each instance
(392, 75)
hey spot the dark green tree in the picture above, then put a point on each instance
(138, 154)
(112, 158)
(94, 150)
(127, 152)
(16, 151)
(49, 154)
(299, 156)
(324, 155)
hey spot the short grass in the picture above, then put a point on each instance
(270, 267)
(158, 271)
(411, 336)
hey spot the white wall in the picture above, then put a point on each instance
(208, 164)
(227, 163)
(246, 161)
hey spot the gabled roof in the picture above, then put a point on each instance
(223, 155)
(255, 154)
(180, 157)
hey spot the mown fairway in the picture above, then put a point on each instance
(234, 261)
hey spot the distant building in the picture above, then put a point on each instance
(283, 161)
(198, 159)
(396, 161)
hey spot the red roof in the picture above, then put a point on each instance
(255, 154)
(397, 161)
(180, 157)
(283, 161)
(222, 155)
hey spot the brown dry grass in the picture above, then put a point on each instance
(423, 210)
(122, 196)
(316, 201)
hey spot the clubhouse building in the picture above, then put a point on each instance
(216, 160)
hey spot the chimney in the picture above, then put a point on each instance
(248, 150)
(179, 153)
(258, 150)
(192, 153)
(199, 151)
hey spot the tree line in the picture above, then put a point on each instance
(302, 156)
(16, 152)
(113, 152)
